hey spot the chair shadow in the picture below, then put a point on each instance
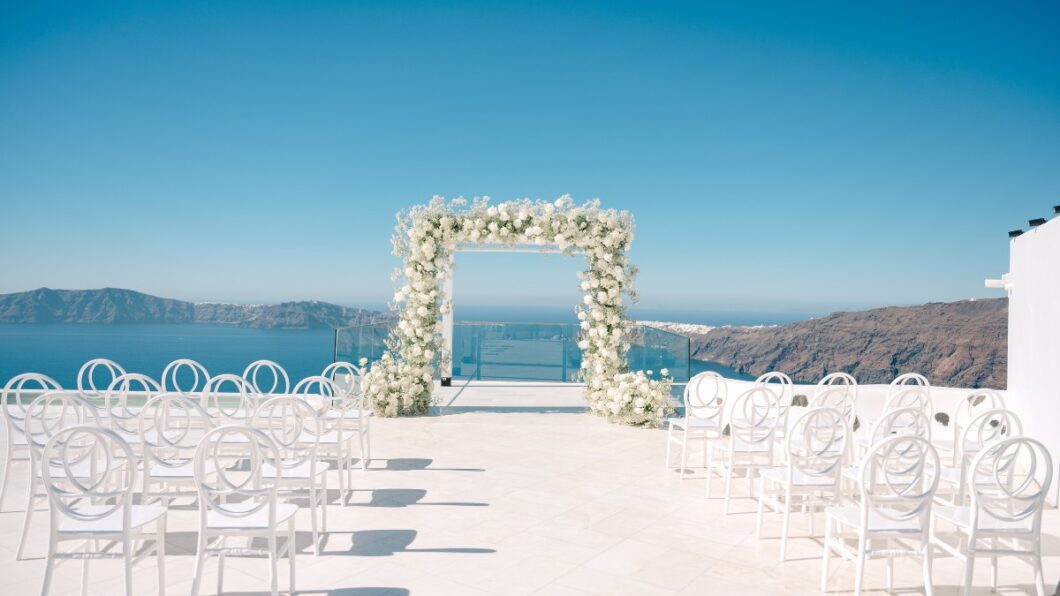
(386, 543)
(188, 542)
(407, 464)
(404, 497)
(360, 591)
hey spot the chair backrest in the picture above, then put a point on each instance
(755, 416)
(53, 411)
(986, 428)
(185, 376)
(914, 396)
(1011, 480)
(705, 396)
(237, 490)
(837, 379)
(170, 428)
(278, 382)
(899, 477)
(293, 425)
(324, 395)
(96, 474)
(817, 443)
(97, 375)
(230, 399)
(906, 380)
(122, 413)
(346, 376)
(975, 403)
(840, 397)
(19, 392)
(780, 384)
(906, 422)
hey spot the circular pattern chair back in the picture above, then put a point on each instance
(229, 399)
(185, 376)
(986, 428)
(705, 396)
(1012, 478)
(346, 376)
(276, 379)
(755, 416)
(89, 473)
(96, 376)
(906, 422)
(906, 380)
(899, 477)
(53, 411)
(19, 392)
(978, 401)
(294, 426)
(170, 428)
(834, 380)
(329, 401)
(229, 466)
(914, 396)
(123, 412)
(839, 397)
(817, 443)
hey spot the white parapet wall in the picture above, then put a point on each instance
(1033, 283)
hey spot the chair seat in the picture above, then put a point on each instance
(346, 414)
(962, 517)
(259, 520)
(851, 516)
(301, 471)
(178, 469)
(952, 475)
(141, 515)
(743, 447)
(696, 423)
(79, 470)
(854, 473)
(798, 478)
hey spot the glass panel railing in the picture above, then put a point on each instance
(524, 351)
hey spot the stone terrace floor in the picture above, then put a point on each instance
(519, 503)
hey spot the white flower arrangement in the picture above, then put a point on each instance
(425, 237)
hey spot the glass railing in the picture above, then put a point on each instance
(525, 351)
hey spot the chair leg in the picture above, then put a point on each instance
(890, 574)
(1039, 576)
(827, 553)
(684, 448)
(761, 508)
(84, 576)
(221, 571)
(49, 567)
(364, 450)
(784, 527)
(728, 484)
(313, 504)
(160, 553)
(127, 552)
(274, 581)
(9, 459)
(969, 567)
(929, 588)
(859, 572)
(706, 444)
(290, 552)
(993, 566)
(27, 516)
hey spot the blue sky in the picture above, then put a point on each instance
(777, 156)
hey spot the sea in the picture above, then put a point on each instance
(59, 350)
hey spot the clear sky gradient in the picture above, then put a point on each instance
(776, 156)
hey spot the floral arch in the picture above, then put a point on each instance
(426, 237)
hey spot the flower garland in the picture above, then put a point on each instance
(425, 237)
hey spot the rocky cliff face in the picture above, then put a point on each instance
(111, 305)
(958, 344)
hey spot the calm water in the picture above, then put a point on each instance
(59, 350)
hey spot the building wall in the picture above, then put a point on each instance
(1034, 336)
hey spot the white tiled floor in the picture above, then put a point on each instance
(519, 503)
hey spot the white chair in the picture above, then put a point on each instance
(89, 383)
(123, 413)
(914, 396)
(898, 478)
(19, 392)
(816, 447)
(906, 422)
(986, 428)
(342, 419)
(907, 380)
(838, 396)
(1011, 480)
(229, 399)
(296, 429)
(346, 376)
(238, 500)
(280, 384)
(48, 414)
(97, 509)
(704, 401)
(185, 376)
(977, 402)
(170, 429)
(782, 386)
(753, 418)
